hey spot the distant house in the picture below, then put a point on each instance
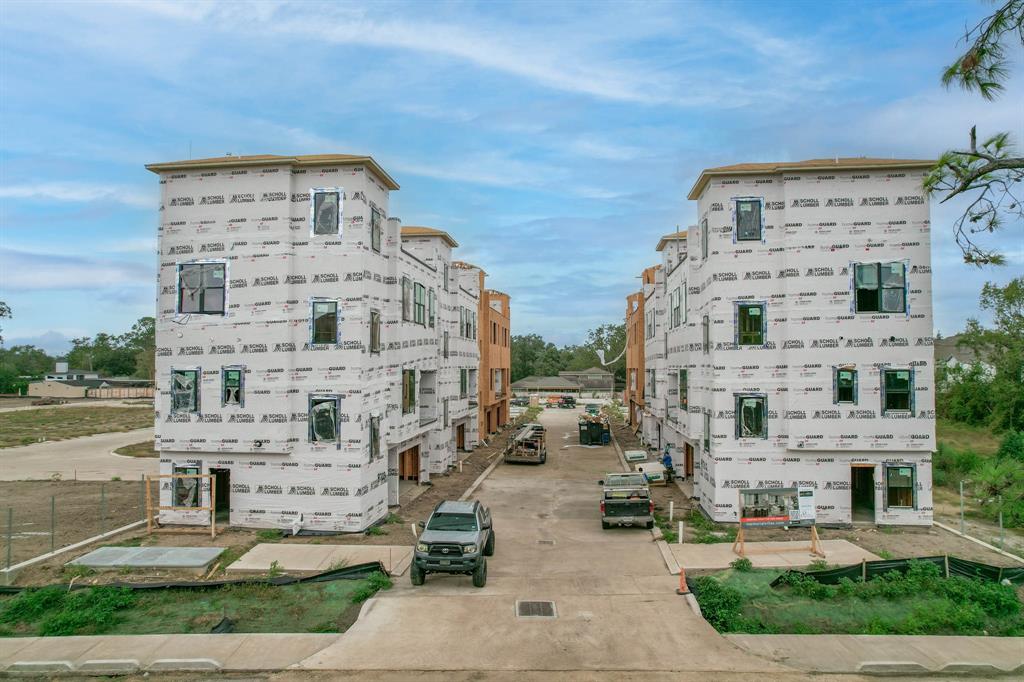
(545, 386)
(948, 352)
(592, 380)
(64, 382)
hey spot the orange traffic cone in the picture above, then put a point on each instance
(683, 589)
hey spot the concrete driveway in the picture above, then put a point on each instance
(615, 601)
(86, 459)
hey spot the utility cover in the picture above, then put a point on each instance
(535, 609)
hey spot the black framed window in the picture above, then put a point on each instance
(751, 416)
(445, 348)
(376, 220)
(201, 288)
(880, 287)
(419, 304)
(897, 390)
(704, 239)
(374, 331)
(431, 308)
(901, 486)
(408, 391)
(326, 212)
(324, 328)
(185, 390)
(406, 299)
(232, 381)
(706, 329)
(186, 491)
(374, 438)
(748, 220)
(750, 324)
(323, 419)
(684, 389)
(463, 383)
(846, 385)
(707, 431)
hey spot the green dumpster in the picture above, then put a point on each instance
(585, 433)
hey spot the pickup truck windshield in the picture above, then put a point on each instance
(453, 522)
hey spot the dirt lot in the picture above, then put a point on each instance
(240, 540)
(25, 427)
(79, 513)
(885, 542)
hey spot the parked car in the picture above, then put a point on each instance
(520, 402)
(567, 402)
(528, 445)
(593, 409)
(626, 501)
(456, 538)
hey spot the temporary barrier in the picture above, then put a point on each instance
(950, 566)
(354, 572)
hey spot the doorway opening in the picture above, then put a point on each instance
(409, 464)
(223, 493)
(688, 460)
(460, 437)
(862, 493)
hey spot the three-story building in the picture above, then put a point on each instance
(791, 341)
(311, 352)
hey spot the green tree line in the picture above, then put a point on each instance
(533, 356)
(130, 354)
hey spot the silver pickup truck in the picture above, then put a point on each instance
(626, 501)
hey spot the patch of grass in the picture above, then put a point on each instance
(742, 564)
(374, 584)
(143, 449)
(308, 607)
(706, 531)
(376, 530)
(275, 569)
(979, 439)
(885, 554)
(393, 518)
(60, 423)
(76, 571)
(269, 535)
(668, 533)
(918, 602)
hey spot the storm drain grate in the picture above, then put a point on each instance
(535, 609)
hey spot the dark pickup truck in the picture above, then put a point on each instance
(626, 501)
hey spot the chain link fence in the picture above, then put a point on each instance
(37, 517)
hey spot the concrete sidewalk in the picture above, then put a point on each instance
(134, 653)
(694, 556)
(317, 558)
(85, 459)
(889, 654)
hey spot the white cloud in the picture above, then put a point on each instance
(30, 271)
(80, 192)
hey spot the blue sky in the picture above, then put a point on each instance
(555, 141)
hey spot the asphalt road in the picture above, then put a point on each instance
(85, 459)
(615, 601)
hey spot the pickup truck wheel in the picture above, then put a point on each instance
(416, 574)
(605, 525)
(650, 525)
(489, 545)
(480, 574)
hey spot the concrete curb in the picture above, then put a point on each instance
(498, 459)
(979, 542)
(666, 554)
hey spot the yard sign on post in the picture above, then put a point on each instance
(775, 508)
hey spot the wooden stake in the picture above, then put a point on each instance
(149, 508)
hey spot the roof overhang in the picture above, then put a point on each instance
(802, 166)
(273, 159)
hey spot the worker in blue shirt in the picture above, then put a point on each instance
(666, 462)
